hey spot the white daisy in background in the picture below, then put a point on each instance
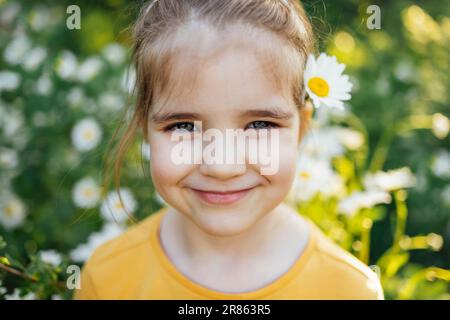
(322, 143)
(66, 65)
(390, 180)
(325, 83)
(85, 250)
(111, 101)
(75, 97)
(113, 209)
(89, 69)
(16, 50)
(362, 199)
(51, 257)
(8, 158)
(2, 289)
(16, 295)
(441, 125)
(351, 139)
(9, 80)
(441, 164)
(12, 211)
(86, 134)
(114, 53)
(34, 58)
(86, 193)
(315, 176)
(445, 195)
(146, 152)
(44, 84)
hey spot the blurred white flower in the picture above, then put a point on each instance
(66, 65)
(85, 250)
(75, 97)
(16, 295)
(8, 158)
(390, 180)
(9, 80)
(44, 85)
(113, 209)
(325, 83)
(111, 101)
(404, 71)
(86, 193)
(114, 53)
(12, 122)
(56, 297)
(12, 211)
(322, 144)
(2, 289)
(86, 134)
(441, 125)
(351, 139)
(362, 199)
(441, 164)
(445, 195)
(9, 12)
(17, 49)
(313, 177)
(89, 69)
(34, 58)
(146, 152)
(51, 257)
(42, 17)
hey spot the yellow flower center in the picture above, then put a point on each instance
(88, 135)
(319, 86)
(88, 192)
(9, 211)
(305, 175)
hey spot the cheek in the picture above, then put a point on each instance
(288, 157)
(165, 173)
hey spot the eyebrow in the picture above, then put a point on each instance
(274, 113)
(172, 116)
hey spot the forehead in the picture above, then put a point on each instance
(234, 67)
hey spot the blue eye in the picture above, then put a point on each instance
(261, 125)
(183, 126)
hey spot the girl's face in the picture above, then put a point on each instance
(232, 91)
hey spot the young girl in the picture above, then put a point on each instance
(226, 234)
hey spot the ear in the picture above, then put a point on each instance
(306, 113)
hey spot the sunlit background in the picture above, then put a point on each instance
(375, 177)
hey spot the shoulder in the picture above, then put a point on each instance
(346, 275)
(124, 244)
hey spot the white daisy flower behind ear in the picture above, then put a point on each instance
(325, 83)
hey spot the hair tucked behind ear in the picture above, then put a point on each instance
(155, 49)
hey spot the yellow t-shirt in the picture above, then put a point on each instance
(135, 266)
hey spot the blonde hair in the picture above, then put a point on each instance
(157, 33)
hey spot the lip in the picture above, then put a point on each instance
(219, 197)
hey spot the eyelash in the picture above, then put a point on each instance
(269, 125)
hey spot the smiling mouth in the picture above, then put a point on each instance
(218, 197)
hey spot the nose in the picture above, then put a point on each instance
(222, 171)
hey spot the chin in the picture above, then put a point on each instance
(224, 223)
